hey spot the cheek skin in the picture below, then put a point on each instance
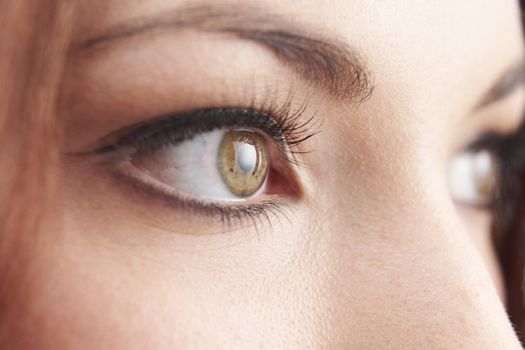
(121, 284)
(419, 277)
(328, 286)
(479, 226)
(87, 299)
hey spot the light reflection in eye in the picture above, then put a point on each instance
(472, 177)
(226, 165)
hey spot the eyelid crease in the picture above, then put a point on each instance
(329, 65)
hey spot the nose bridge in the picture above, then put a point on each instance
(411, 269)
(421, 286)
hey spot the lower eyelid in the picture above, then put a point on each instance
(157, 201)
(136, 174)
(136, 203)
(158, 194)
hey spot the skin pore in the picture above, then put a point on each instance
(368, 251)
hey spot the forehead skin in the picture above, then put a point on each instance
(413, 44)
(378, 265)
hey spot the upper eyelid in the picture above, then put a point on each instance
(166, 124)
(328, 64)
(282, 124)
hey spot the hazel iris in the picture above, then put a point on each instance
(243, 162)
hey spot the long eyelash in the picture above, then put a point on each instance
(280, 122)
(295, 131)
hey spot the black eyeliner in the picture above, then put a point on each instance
(282, 126)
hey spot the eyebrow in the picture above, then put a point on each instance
(512, 80)
(329, 65)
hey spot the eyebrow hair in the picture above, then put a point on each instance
(512, 80)
(329, 65)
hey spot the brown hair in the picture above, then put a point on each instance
(33, 37)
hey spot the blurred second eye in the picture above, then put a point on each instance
(472, 177)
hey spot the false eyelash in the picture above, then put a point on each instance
(281, 123)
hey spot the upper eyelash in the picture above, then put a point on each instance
(282, 124)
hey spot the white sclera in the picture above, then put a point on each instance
(195, 170)
(466, 171)
(245, 156)
(191, 166)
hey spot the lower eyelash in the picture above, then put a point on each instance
(228, 214)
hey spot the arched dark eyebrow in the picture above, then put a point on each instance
(326, 64)
(512, 79)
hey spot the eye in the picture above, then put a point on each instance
(223, 161)
(225, 165)
(473, 177)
